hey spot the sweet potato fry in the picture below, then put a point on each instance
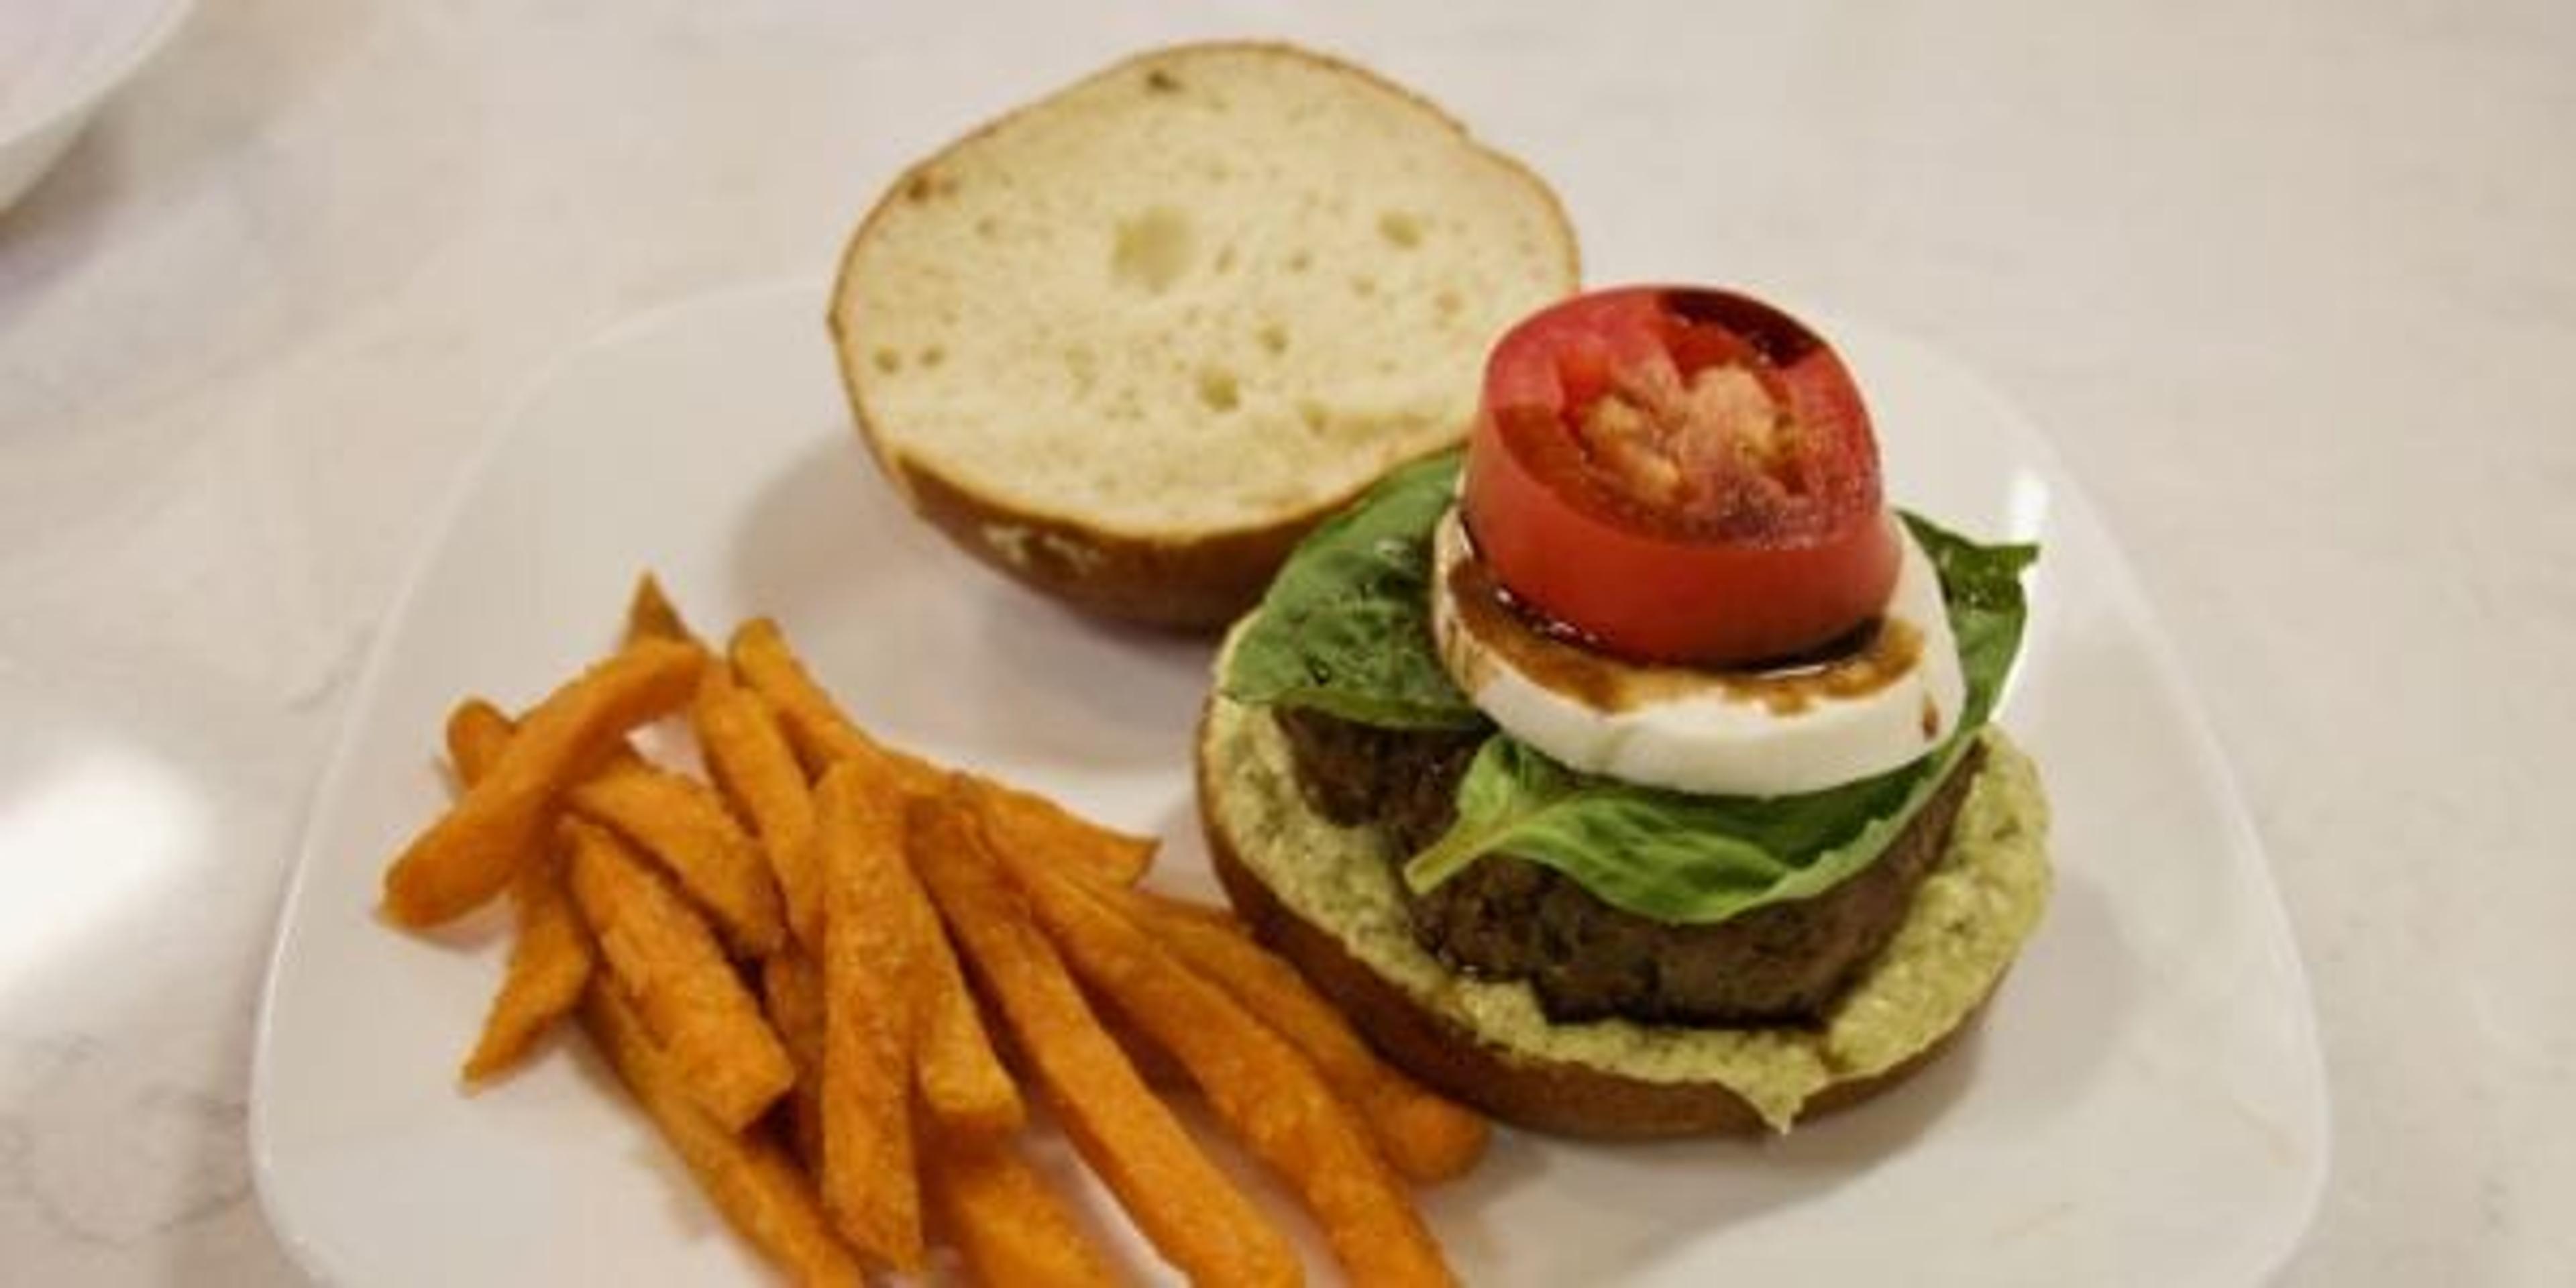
(964, 1087)
(1154, 1064)
(1026, 823)
(1196, 1217)
(472, 851)
(677, 820)
(1264, 1090)
(962, 1083)
(822, 733)
(1427, 1138)
(551, 955)
(750, 760)
(551, 960)
(680, 822)
(750, 1180)
(816, 725)
(650, 614)
(791, 988)
(1010, 1226)
(668, 961)
(791, 991)
(870, 961)
(477, 733)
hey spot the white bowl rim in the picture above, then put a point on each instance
(76, 98)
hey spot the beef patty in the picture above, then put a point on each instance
(1507, 917)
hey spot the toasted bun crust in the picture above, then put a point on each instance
(1203, 499)
(1442, 1051)
(1195, 582)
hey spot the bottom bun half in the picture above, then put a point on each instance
(1326, 898)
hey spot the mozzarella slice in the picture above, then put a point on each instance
(1775, 733)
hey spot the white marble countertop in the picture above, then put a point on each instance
(2294, 287)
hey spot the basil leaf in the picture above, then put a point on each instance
(1346, 627)
(1674, 856)
(1694, 860)
(1982, 587)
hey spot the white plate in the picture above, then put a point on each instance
(2144, 1106)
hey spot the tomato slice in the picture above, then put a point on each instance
(1679, 474)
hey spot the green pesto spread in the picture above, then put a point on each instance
(1968, 921)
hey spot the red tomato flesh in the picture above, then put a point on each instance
(1679, 475)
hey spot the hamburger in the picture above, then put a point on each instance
(1630, 773)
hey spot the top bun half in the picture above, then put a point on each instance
(1128, 343)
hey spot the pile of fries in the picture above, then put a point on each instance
(778, 967)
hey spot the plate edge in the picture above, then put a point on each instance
(326, 786)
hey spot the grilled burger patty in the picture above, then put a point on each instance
(1511, 918)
